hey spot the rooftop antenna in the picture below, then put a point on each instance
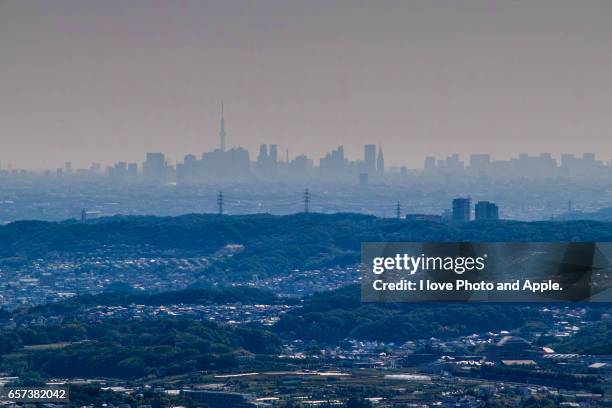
(306, 200)
(220, 202)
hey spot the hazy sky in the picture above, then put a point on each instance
(110, 80)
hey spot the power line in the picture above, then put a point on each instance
(306, 200)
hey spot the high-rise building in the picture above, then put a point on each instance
(300, 167)
(450, 166)
(188, 171)
(461, 210)
(380, 162)
(274, 153)
(334, 166)
(263, 153)
(363, 180)
(154, 168)
(369, 158)
(486, 210)
(132, 170)
(263, 162)
(429, 167)
(232, 164)
(118, 171)
(479, 164)
(238, 165)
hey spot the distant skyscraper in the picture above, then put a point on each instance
(222, 131)
(430, 165)
(219, 165)
(273, 160)
(486, 210)
(369, 158)
(300, 167)
(262, 161)
(380, 162)
(263, 153)
(363, 179)
(154, 168)
(461, 210)
(132, 170)
(334, 165)
(479, 163)
(267, 162)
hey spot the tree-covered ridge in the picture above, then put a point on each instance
(272, 244)
(333, 316)
(129, 349)
(132, 348)
(595, 339)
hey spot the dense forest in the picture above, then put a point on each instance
(332, 316)
(129, 349)
(595, 339)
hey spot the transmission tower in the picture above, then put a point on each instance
(220, 202)
(306, 200)
(398, 210)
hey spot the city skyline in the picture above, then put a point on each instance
(109, 82)
(372, 162)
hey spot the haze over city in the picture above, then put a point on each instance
(305, 203)
(103, 82)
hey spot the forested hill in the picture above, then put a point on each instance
(279, 243)
(332, 316)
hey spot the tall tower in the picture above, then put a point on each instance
(222, 131)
